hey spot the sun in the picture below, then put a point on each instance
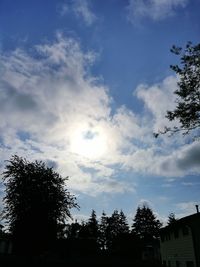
(89, 142)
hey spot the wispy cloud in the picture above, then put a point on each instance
(153, 9)
(63, 9)
(81, 9)
(186, 208)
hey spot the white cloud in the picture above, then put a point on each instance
(45, 100)
(81, 9)
(153, 9)
(49, 98)
(158, 98)
(186, 208)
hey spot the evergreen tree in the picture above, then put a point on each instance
(117, 225)
(123, 223)
(103, 232)
(145, 225)
(171, 219)
(93, 227)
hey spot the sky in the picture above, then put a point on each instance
(84, 84)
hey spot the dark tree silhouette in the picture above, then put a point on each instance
(145, 225)
(73, 230)
(123, 223)
(116, 226)
(93, 227)
(187, 110)
(171, 219)
(36, 203)
(103, 231)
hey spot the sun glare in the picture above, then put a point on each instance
(89, 143)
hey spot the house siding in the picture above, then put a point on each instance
(178, 250)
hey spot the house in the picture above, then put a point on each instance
(180, 242)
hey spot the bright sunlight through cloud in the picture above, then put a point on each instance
(89, 142)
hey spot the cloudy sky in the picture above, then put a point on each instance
(83, 86)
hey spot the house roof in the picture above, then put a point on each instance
(188, 220)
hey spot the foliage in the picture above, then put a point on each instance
(171, 219)
(145, 225)
(123, 223)
(93, 227)
(115, 225)
(187, 110)
(36, 201)
(103, 231)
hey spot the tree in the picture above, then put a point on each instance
(123, 223)
(116, 226)
(187, 110)
(171, 219)
(103, 232)
(145, 225)
(92, 224)
(36, 203)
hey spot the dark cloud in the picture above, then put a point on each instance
(191, 158)
(10, 97)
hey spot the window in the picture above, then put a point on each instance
(185, 230)
(189, 264)
(178, 264)
(169, 264)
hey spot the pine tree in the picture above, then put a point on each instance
(103, 231)
(145, 225)
(123, 223)
(171, 219)
(92, 225)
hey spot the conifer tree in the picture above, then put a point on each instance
(92, 225)
(171, 219)
(145, 225)
(103, 231)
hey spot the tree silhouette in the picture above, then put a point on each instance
(187, 110)
(36, 203)
(103, 231)
(123, 223)
(171, 219)
(116, 225)
(92, 224)
(145, 225)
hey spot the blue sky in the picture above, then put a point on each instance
(83, 86)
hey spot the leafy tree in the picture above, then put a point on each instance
(73, 230)
(36, 203)
(187, 110)
(171, 219)
(145, 225)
